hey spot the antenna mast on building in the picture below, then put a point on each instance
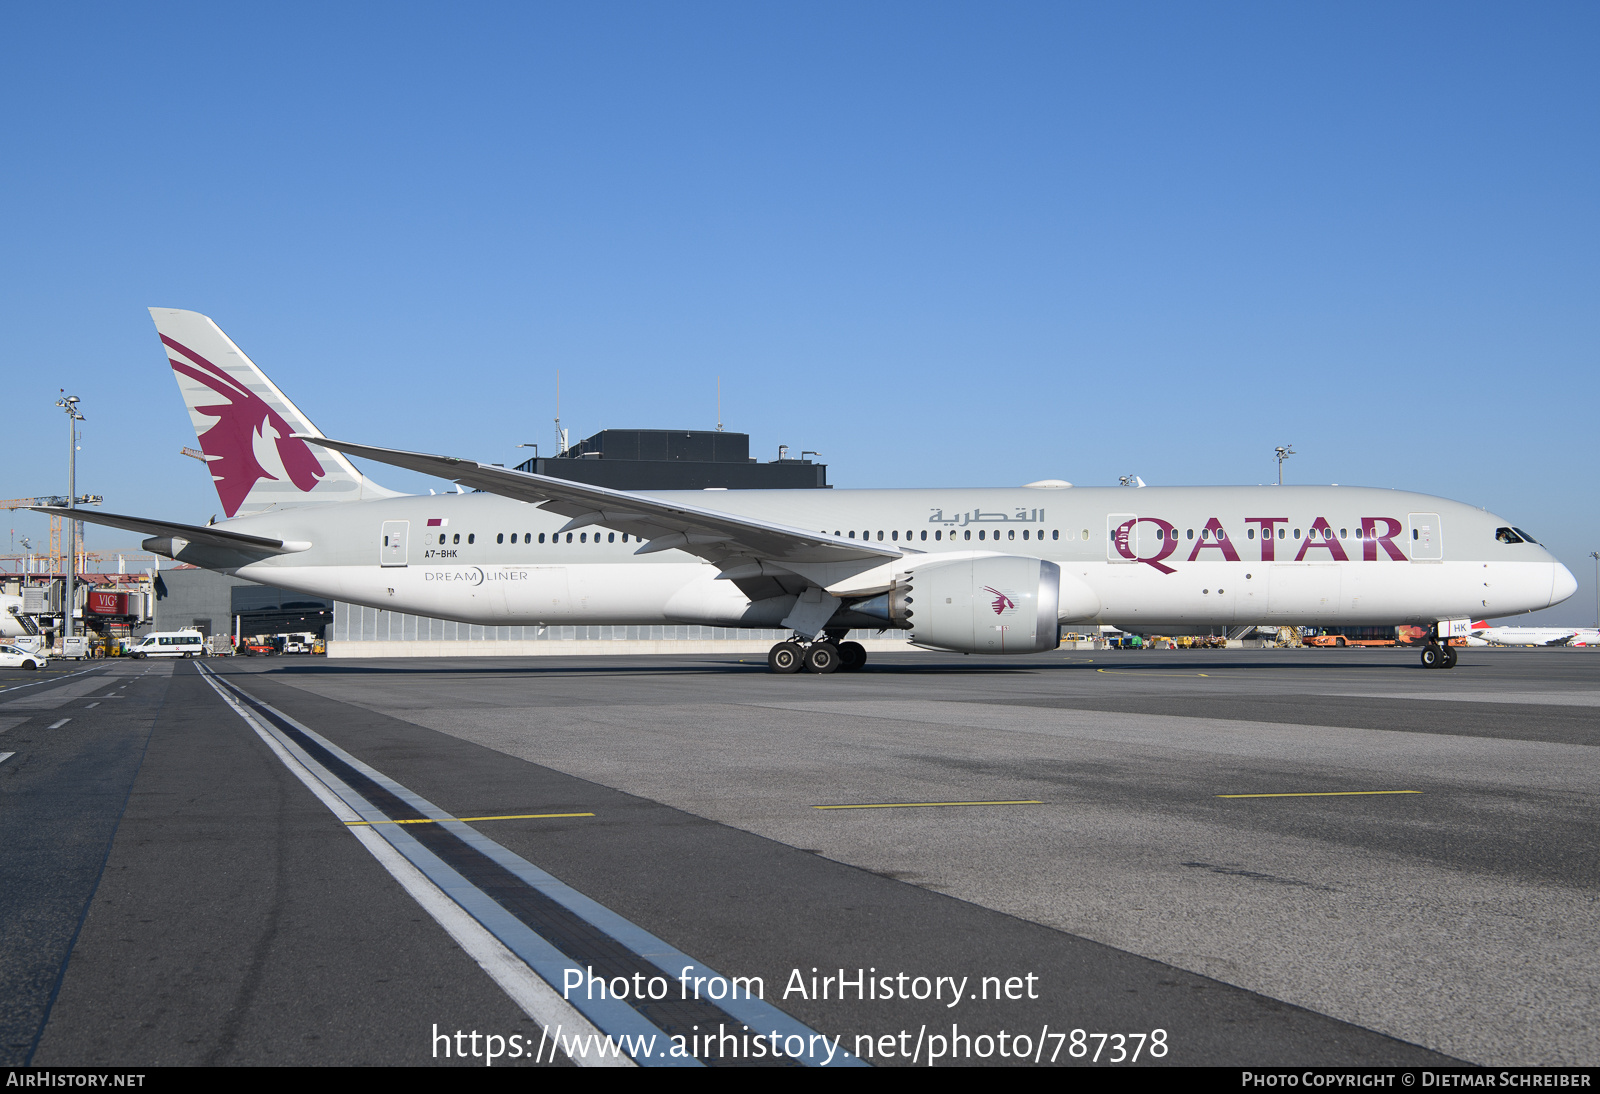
(719, 404)
(561, 434)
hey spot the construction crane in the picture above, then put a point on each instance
(55, 520)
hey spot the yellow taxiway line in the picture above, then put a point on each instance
(923, 805)
(1136, 672)
(1323, 794)
(467, 820)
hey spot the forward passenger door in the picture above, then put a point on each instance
(395, 534)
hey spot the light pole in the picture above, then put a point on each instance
(1284, 451)
(1596, 556)
(69, 403)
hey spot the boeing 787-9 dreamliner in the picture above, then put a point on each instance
(988, 571)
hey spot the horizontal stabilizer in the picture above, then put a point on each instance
(191, 533)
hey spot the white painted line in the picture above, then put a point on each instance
(4, 756)
(49, 680)
(58, 725)
(526, 988)
(91, 706)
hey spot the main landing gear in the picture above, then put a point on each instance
(1437, 655)
(821, 655)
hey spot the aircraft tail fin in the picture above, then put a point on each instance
(246, 426)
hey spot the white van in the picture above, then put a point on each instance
(169, 644)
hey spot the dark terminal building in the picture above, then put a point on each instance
(672, 459)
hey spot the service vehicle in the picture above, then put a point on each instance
(170, 644)
(14, 657)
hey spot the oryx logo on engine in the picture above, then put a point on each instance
(1002, 602)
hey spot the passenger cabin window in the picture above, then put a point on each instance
(500, 537)
(472, 538)
(541, 537)
(441, 537)
(457, 539)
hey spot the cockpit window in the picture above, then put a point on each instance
(1507, 535)
(1528, 538)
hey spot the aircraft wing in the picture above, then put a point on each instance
(210, 537)
(720, 538)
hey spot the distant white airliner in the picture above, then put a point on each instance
(11, 625)
(966, 570)
(1536, 636)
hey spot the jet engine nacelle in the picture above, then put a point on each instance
(997, 604)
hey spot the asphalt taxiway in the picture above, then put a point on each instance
(1296, 857)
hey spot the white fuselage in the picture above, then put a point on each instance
(1153, 558)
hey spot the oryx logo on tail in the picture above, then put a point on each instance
(247, 426)
(250, 441)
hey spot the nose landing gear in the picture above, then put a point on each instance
(1437, 655)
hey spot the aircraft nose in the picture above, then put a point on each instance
(1562, 583)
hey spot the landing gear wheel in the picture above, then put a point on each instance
(1432, 656)
(852, 655)
(785, 658)
(1449, 657)
(822, 657)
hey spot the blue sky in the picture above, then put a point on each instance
(942, 244)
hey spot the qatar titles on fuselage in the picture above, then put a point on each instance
(957, 568)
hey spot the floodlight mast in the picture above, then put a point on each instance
(1284, 451)
(1596, 556)
(69, 403)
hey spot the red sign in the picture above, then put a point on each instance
(102, 602)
